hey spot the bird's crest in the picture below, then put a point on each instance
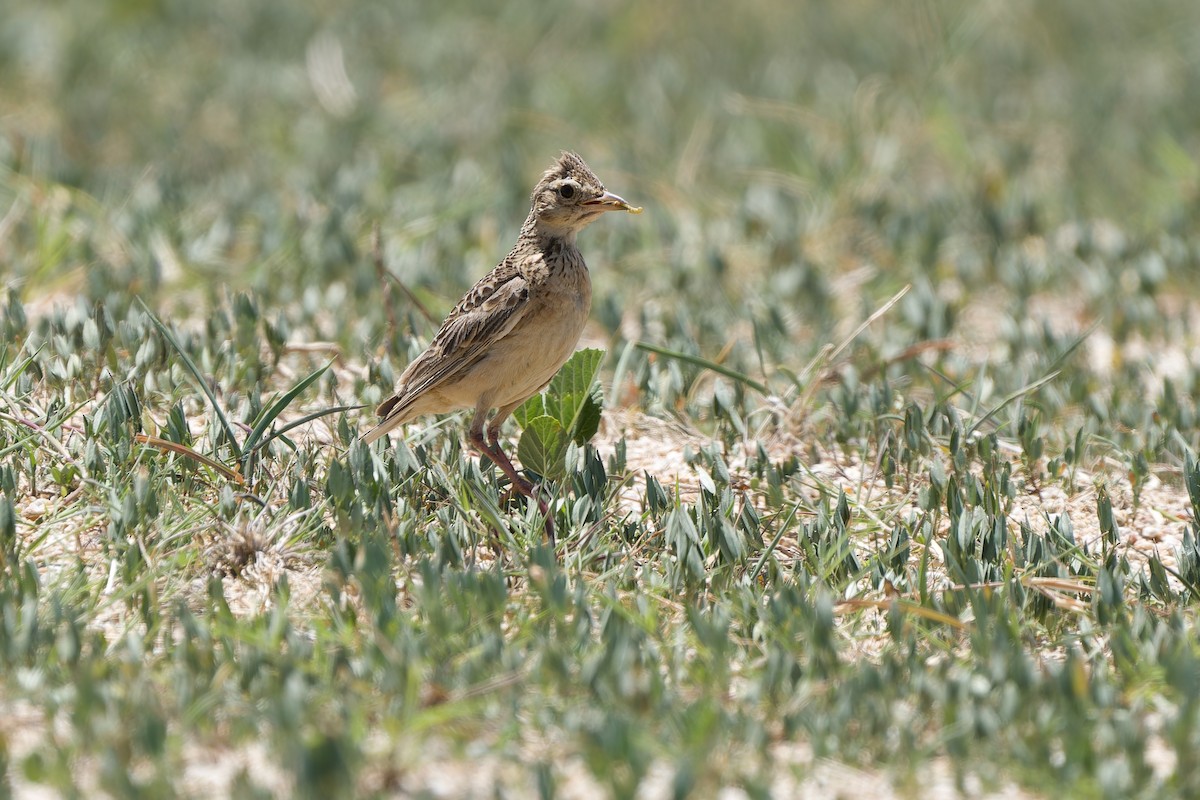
(569, 165)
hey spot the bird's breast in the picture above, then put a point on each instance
(534, 350)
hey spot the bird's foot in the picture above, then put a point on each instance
(547, 515)
(491, 449)
(531, 491)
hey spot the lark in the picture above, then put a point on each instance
(511, 332)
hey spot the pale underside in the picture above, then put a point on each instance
(500, 346)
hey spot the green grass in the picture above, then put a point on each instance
(896, 477)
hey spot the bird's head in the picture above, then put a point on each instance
(569, 196)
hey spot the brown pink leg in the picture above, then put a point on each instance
(489, 445)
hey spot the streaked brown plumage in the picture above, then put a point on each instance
(511, 332)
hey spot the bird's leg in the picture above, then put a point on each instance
(489, 445)
(496, 454)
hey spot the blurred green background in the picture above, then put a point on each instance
(261, 139)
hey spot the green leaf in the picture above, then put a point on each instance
(543, 447)
(566, 407)
(573, 398)
(200, 380)
(577, 375)
(704, 363)
(277, 408)
(533, 407)
(587, 419)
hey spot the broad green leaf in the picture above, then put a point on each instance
(577, 374)
(576, 393)
(587, 419)
(533, 407)
(573, 398)
(567, 407)
(543, 447)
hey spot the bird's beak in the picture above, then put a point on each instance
(611, 202)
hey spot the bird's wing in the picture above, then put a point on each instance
(485, 315)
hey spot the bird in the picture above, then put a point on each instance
(513, 330)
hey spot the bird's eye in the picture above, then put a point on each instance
(566, 191)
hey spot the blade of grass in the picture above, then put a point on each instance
(830, 352)
(933, 615)
(1053, 371)
(278, 407)
(19, 369)
(704, 363)
(766, 554)
(866, 323)
(1010, 398)
(1191, 587)
(618, 376)
(804, 383)
(303, 420)
(184, 450)
(199, 376)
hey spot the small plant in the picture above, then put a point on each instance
(245, 452)
(568, 411)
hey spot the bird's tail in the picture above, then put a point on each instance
(394, 415)
(382, 429)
